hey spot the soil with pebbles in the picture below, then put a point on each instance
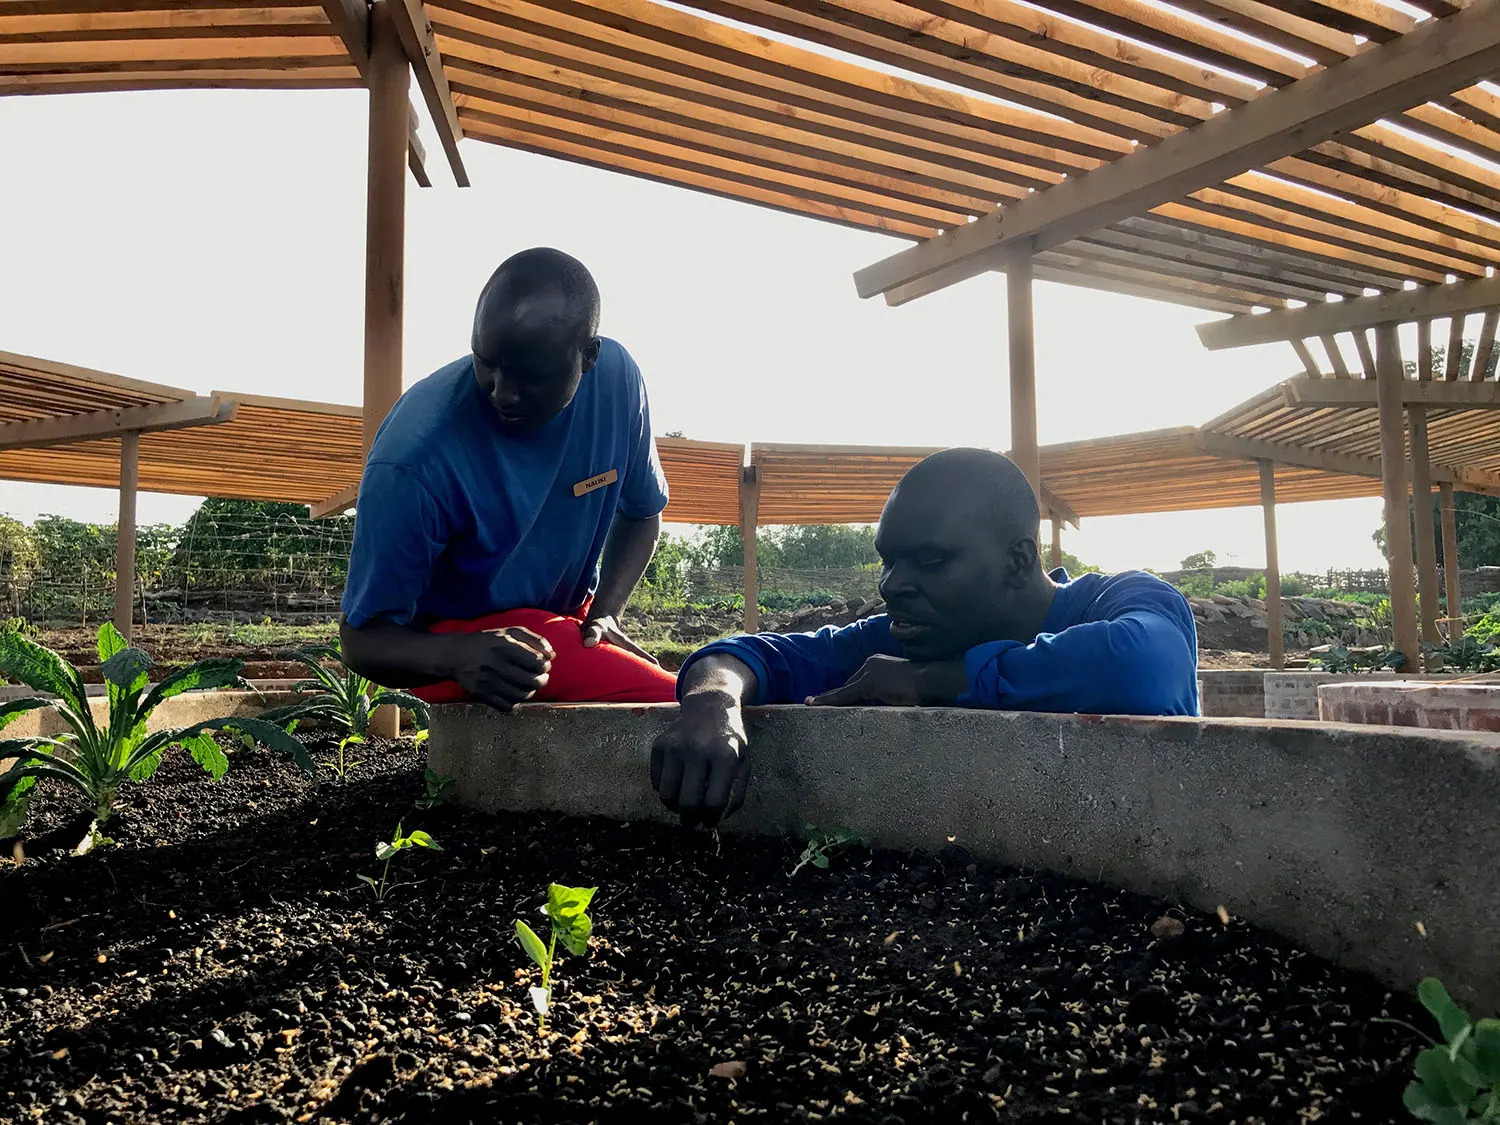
(223, 963)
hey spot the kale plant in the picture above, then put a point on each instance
(95, 759)
(567, 909)
(1458, 1080)
(435, 789)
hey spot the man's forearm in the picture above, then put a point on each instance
(398, 656)
(719, 675)
(627, 553)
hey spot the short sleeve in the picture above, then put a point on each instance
(399, 534)
(644, 493)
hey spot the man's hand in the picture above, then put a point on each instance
(899, 683)
(502, 667)
(607, 628)
(699, 765)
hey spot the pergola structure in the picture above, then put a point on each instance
(1232, 155)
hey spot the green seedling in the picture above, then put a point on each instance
(567, 909)
(341, 766)
(95, 759)
(822, 845)
(436, 791)
(389, 851)
(1458, 1078)
(344, 699)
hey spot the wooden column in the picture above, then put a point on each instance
(1426, 545)
(385, 219)
(1450, 561)
(1275, 626)
(130, 458)
(1057, 543)
(1022, 370)
(385, 245)
(749, 524)
(1388, 387)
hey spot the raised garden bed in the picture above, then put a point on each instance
(223, 963)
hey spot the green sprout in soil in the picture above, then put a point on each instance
(435, 792)
(822, 845)
(344, 699)
(389, 851)
(341, 765)
(567, 909)
(95, 759)
(1458, 1080)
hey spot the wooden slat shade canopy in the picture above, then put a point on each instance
(936, 112)
(79, 46)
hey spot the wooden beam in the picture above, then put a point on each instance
(337, 504)
(130, 464)
(1484, 347)
(1258, 449)
(415, 30)
(1023, 443)
(749, 526)
(1275, 626)
(1305, 357)
(69, 428)
(1453, 361)
(1056, 559)
(1426, 545)
(1388, 379)
(1433, 60)
(1321, 393)
(385, 218)
(416, 154)
(351, 21)
(1453, 299)
(1060, 508)
(1454, 591)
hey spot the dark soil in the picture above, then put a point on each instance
(223, 963)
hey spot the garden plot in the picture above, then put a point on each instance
(224, 962)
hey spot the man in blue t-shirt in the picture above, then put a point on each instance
(492, 490)
(972, 620)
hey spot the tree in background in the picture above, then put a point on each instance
(1203, 560)
(1476, 520)
(1465, 361)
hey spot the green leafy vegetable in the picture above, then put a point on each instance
(567, 910)
(1458, 1080)
(389, 850)
(436, 788)
(822, 845)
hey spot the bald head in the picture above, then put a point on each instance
(540, 290)
(977, 484)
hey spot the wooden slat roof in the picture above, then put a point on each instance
(79, 46)
(904, 117)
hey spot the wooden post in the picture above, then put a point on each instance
(1426, 545)
(385, 218)
(1022, 370)
(1057, 543)
(749, 524)
(1450, 562)
(1388, 387)
(385, 245)
(130, 458)
(1275, 626)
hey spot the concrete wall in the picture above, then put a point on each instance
(1341, 838)
(1233, 693)
(1441, 706)
(179, 711)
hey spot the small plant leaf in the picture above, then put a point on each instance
(206, 753)
(566, 907)
(1441, 1081)
(541, 999)
(40, 669)
(215, 672)
(13, 709)
(532, 945)
(367, 879)
(14, 806)
(145, 767)
(127, 669)
(819, 860)
(384, 850)
(1434, 997)
(421, 839)
(111, 642)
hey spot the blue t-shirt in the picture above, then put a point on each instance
(1112, 644)
(458, 519)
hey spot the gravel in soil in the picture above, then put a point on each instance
(224, 963)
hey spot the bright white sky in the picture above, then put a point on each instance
(214, 240)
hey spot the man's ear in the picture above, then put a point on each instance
(590, 353)
(1021, 562)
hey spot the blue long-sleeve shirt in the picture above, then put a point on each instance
(1112, 644)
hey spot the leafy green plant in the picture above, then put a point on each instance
(1465, 654)
(94, 759)
(389, 850)
(1340, 659)
(1458, 1079)
(340, 764)
(821, 845)
(567, 910)
(340, 696)
(435, 789)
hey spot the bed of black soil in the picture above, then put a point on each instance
(224, 963)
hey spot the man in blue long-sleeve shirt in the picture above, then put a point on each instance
(972, 620)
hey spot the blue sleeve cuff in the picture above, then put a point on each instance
(730, 646)
(984, 680)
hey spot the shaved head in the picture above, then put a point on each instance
(979, 484)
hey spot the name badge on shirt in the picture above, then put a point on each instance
(586, 486)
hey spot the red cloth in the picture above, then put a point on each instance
(605, 674)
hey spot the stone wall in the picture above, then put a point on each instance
(1379, 848)
(1437, 706)
(1233, 693)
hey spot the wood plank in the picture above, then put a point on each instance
(130, 453)
(1389, 379)
(1335, 356)
(416, 154)
(337, 504)
(192, 411)
(1451, 562)
(1454, 358)
(385, 217)
(1484, 347)
(1424, 349)
(1321, 393)
(1309, 364)
(351, 22)
(1424, 302)
(1433, 59)
(415, 30)
(1020, 331)
(1425, 543)
(1274, 624)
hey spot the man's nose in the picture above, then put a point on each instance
(896, 583)
(506, 395)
